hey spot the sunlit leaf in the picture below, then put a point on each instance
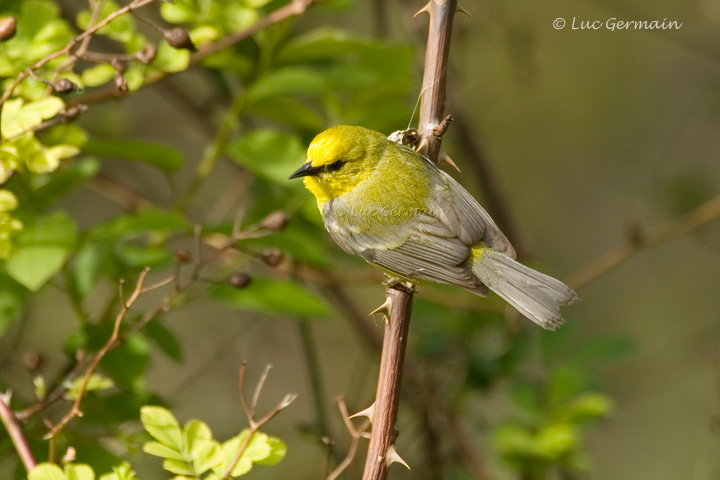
(273, 297)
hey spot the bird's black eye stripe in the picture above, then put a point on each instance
(335, 166)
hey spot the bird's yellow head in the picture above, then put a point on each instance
(338, 159)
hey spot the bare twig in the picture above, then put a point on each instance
(381, 451)
(683, 225)
(75, 411)
(249, 408)
(357, 435)
(9, 420)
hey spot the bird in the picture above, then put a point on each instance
(396, 209)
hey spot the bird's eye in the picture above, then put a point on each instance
(335, 166)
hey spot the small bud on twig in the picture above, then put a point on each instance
(178, 38)
(120, 82)
(240, 280)
(272, 256)
(147, 54)
(7, 28)
(32, 361)
(64, 85)
(182, 256)
(275, 222)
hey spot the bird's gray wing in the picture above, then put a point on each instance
(462, 214)
(422, 248)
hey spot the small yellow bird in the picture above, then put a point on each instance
(397, 210)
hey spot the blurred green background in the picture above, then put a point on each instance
(592, 139)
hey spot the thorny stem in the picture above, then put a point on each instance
(9, 420)
(396, 329)
(387, 398)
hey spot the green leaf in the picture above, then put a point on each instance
(161, 424)
(556, 440)
(96, 382)
(513, 440)
(47, 471)
(164, 339)
(321, 45)
(586, 407)
(269, 153)
(180, 467)
(79, 472)
(162, 451)
(273, 297)
(160, 156)
(278, 449)
(169, 59)
(98, 75)
(8, 201)
(287, 81)
(89, 264)
(42, 248)
(204, 451)
(143, 222)
(64, 134)
(52, 157)
(121, 472)
(288, 111)
(136, 256)
(18, 117)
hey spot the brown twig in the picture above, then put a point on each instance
(430, 400)
(75, 411)
(9, 420)
(683, 225)
(357, 434)
(381, 451)
(249, 408)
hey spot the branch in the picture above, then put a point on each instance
(249, 408)
(68, 48)
(637, 241)
(381, 452)
(9, 419)
(75, 411)
(357, 434)
(294, 8)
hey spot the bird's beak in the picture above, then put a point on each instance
(305, 170)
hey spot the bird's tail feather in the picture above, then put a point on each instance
(534, 294)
